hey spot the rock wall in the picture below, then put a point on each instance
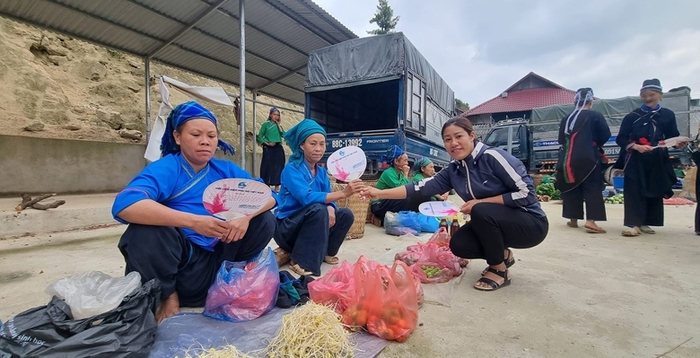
(54, 86)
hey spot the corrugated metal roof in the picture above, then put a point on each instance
(279, 35)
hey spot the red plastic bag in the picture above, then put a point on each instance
(243, 291)
(379, 293)
(336, 288)
(392, 303)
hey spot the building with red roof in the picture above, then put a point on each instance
(518, 100)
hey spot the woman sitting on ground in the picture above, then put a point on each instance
(394, 176)
(171, 236)
(310, 227)
(499, 195)
(424, 168)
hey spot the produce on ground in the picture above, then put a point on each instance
(386, 304)
(228, 351)
(615, 199)
(311, 331)
(549, 190)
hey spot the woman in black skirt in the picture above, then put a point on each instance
(270, 138)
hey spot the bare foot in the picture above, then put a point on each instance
(572, 223)
(168, 307)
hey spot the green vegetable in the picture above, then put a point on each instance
(615, 199)
(548, 189)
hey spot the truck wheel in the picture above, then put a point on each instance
(609, 173)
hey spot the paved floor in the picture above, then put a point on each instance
(575, 295)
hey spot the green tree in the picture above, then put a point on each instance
(384, 18)
(462, 106)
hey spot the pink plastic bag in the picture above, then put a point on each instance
(335, 288)
(432, 262)
(243, 291)
(440, 237)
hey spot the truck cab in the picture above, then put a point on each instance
(514, 137)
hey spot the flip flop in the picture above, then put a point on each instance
(646, 229)
(632, 232)
(331, 260)
(594, 229)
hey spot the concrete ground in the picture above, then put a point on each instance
(575, 295)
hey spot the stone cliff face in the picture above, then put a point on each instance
(55, 86)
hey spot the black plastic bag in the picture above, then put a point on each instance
(50, 331)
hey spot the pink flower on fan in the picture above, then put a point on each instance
(219, 203)
(340, 173)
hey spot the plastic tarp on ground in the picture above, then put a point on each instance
(188, 332)
(614, 110)
(371, 60)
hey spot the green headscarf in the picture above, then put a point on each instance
(420, 163)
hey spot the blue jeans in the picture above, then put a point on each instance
(306, 235)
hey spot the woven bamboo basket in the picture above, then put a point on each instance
(359, 208)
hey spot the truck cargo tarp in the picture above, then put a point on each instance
(614, 110)
(371, 60)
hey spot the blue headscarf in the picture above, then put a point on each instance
(420, 163)
(273, 109)
(182, 113)
(296, 135)
(391, 154)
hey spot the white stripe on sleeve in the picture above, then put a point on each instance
(522, 186)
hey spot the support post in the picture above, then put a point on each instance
(241, 10)
(147, 83)
(255, 142)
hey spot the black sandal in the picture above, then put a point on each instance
(508, 262)
(494, 285)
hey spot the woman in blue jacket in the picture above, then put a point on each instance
(499, 195)
(310, 227)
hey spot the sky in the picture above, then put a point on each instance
(482, 47)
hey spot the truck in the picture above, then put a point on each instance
(375, 92)
(535, 140)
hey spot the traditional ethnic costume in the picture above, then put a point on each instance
(421, 163)
(579, 174)
(183, 260)
(302, 216)
(648, 176)
(273, 156)
(392, 178)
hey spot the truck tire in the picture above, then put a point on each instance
(609, 173)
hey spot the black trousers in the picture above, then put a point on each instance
(272, 164)
(495, 227)
(306, 235)
(165, 253)
(589, 191)
(639, 209)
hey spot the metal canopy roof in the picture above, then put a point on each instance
(201, 36)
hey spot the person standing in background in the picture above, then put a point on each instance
(270, 138)
(649, 173)
(579, 174)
